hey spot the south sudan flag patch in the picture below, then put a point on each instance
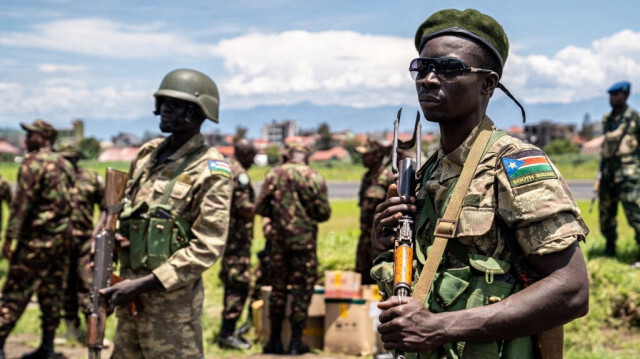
(527, 166)
(221, 168)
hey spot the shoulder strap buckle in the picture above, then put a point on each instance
(446, 228)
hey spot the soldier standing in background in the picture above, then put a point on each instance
(373, 191)
(87, 193)
(294, 197)
(176, 218)
(39, 222)
(619, 176)
(5, 196)
(236, 262)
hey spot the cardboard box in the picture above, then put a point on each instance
(342, 285)
(370, 292)
(313, 332)
(350, 326)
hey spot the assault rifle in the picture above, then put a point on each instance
(104, 245)
(404, 172)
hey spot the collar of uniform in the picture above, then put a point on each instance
(453, 162)
(191, 145)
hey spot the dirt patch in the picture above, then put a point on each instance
(20, 344)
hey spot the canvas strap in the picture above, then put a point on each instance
(446, 226)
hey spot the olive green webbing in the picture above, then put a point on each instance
(446, 227)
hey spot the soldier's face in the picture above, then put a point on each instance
(178, 115)
(370, 159)
(618, 98)
(455, 100)
(34, 141)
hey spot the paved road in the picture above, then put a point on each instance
(582, 189)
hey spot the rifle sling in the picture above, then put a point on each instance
(446, 226)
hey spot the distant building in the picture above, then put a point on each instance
(337, 153)
(276, 132)
(547, 131)
(126, 140)
(118, 154)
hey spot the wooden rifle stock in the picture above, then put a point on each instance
(115, 183)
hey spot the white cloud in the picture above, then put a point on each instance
(62, 99)
(57, 68)
(574, 73)
(331, 67)
(100, 37)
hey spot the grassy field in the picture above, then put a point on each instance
(610, 330)
(571, 167)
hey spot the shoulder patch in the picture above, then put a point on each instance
(527, 166)
(219, 167)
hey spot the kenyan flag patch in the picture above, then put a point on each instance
(220, 168)
(527, 166)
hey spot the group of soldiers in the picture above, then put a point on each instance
(506, 266)
(51, 224)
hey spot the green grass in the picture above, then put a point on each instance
(610, 330)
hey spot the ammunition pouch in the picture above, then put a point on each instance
(154, 234)
(483, 282)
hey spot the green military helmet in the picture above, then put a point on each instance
(193, 86)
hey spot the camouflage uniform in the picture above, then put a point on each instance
(5, 196)
(87, 192)
(39, 222)
(235, 272)
(509, 212)
(169, 325)
(373, 191)
(620, 174)
(295, 198)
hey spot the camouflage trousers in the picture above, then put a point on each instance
(167, 326)
(610, 193)
(236, 276)
(262, 274)
(78, 279)
(143, 337)
(364, 258)
(297, 268)
(37, 266)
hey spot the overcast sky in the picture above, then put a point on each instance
(102, 60)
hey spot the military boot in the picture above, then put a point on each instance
(610, 249)
(244, 328)
(226, 339)
(274, 345)
(45, 351)
(297, 347)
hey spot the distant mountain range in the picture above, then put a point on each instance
(360, 120)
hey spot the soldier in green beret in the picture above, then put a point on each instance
(506, 264)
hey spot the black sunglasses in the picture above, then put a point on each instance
(445, 68)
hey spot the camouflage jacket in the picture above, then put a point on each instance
(373, 191)
(620, 146)
(87, 192)
(295, 198)
(5, 195)
(517, 198)
(42, 202)
(240, 226)
(201, 195)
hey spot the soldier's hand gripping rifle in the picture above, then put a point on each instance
(115, 182)
(405, 174)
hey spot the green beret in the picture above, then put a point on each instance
(469, 23)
